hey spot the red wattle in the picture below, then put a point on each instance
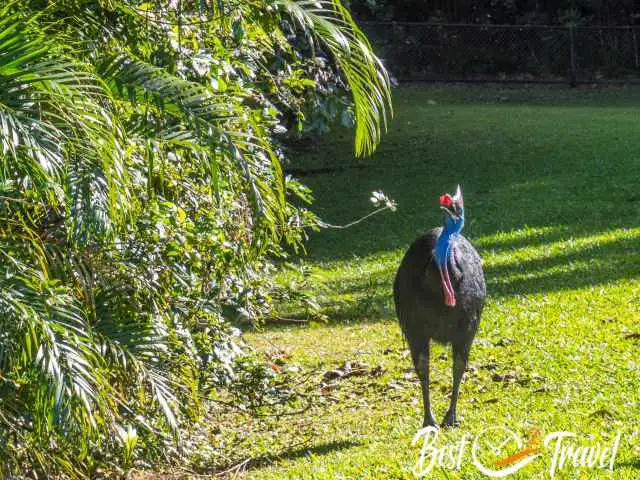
(447, 288)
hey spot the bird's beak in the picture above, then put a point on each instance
(450, 212)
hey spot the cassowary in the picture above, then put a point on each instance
(439, 292)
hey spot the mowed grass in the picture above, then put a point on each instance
(551, 187)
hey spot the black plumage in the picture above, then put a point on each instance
(423, 314)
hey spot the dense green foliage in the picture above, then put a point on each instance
(143, 203)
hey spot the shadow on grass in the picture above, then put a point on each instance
(525, 238)
(629, 464)
(564, 262)
(288, 454)
(590, 265)
(542, 213)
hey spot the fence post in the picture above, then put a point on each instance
(572, 58)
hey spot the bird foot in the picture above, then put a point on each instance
(429, 421)
(450, 420)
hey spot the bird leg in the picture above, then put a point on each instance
(460, 358)
(422, 368)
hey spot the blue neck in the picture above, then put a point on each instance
(450, 231)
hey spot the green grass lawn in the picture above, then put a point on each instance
(551, 186)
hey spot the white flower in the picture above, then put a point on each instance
(380, 200)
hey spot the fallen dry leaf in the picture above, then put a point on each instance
(392, 385)
(355, 368)
(333, 374)
(489, 366)
(507, 378)
(352, 369)
(276, 368)
(328, 388)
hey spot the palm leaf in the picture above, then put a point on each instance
(56, 130)
(50, 336)
(331, 23)
(219, 122)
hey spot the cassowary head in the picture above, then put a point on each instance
(453, 208)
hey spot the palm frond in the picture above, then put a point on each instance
(56, 129)
(331, 23)
(132, 341)
(80, 357)
(50, 336)
(220, 122)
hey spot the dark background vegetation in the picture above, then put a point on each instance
(562, 41)
(516, 12)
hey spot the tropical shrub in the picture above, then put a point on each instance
(143, 205)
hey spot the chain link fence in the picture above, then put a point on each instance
(508, 53)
